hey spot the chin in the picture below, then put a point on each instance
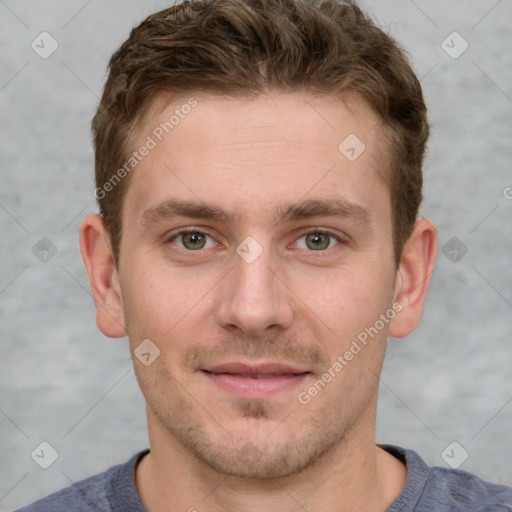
(257, 453)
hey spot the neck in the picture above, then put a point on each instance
(354, 476)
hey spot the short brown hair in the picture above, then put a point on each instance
(246, 47)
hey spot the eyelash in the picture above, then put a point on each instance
(182, 231)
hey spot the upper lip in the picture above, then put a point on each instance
(256, 369)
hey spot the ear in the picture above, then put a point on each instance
(103, 277)
(413, 277)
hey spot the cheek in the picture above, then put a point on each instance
(145, 300)
(347, 299)
(159, 301)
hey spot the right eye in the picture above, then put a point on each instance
(192, 240)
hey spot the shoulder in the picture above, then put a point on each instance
(86, 495)
(446, 490)
(93, 494)
(466, 491)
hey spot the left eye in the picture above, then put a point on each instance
(317, 241)
(193, 240)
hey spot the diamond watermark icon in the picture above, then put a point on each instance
(44, 45)
(454, 45)
(146, 352)
(250, 454)
(454, 249)
(352, 147)
(454, 455)
(44, 455)
(44, 250)
(249, 249)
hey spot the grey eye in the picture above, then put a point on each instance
(194, 240)
(317, 241)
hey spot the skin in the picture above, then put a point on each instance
(253, 158)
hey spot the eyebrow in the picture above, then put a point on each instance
(294, 212)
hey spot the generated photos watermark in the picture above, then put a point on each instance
(344, 359)
(144, 150)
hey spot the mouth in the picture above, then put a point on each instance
(255, 381)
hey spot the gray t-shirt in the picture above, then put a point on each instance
(426, 490)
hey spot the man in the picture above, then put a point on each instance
(258, 172)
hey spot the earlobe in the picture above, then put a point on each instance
(103, 277)
(413, 277)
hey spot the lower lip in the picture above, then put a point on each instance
(246, 387)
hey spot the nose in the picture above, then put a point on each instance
(255, 299)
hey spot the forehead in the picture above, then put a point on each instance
(257, 149)
(303, 115)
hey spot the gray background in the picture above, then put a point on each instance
(63, 382)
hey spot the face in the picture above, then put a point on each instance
(253, 255)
